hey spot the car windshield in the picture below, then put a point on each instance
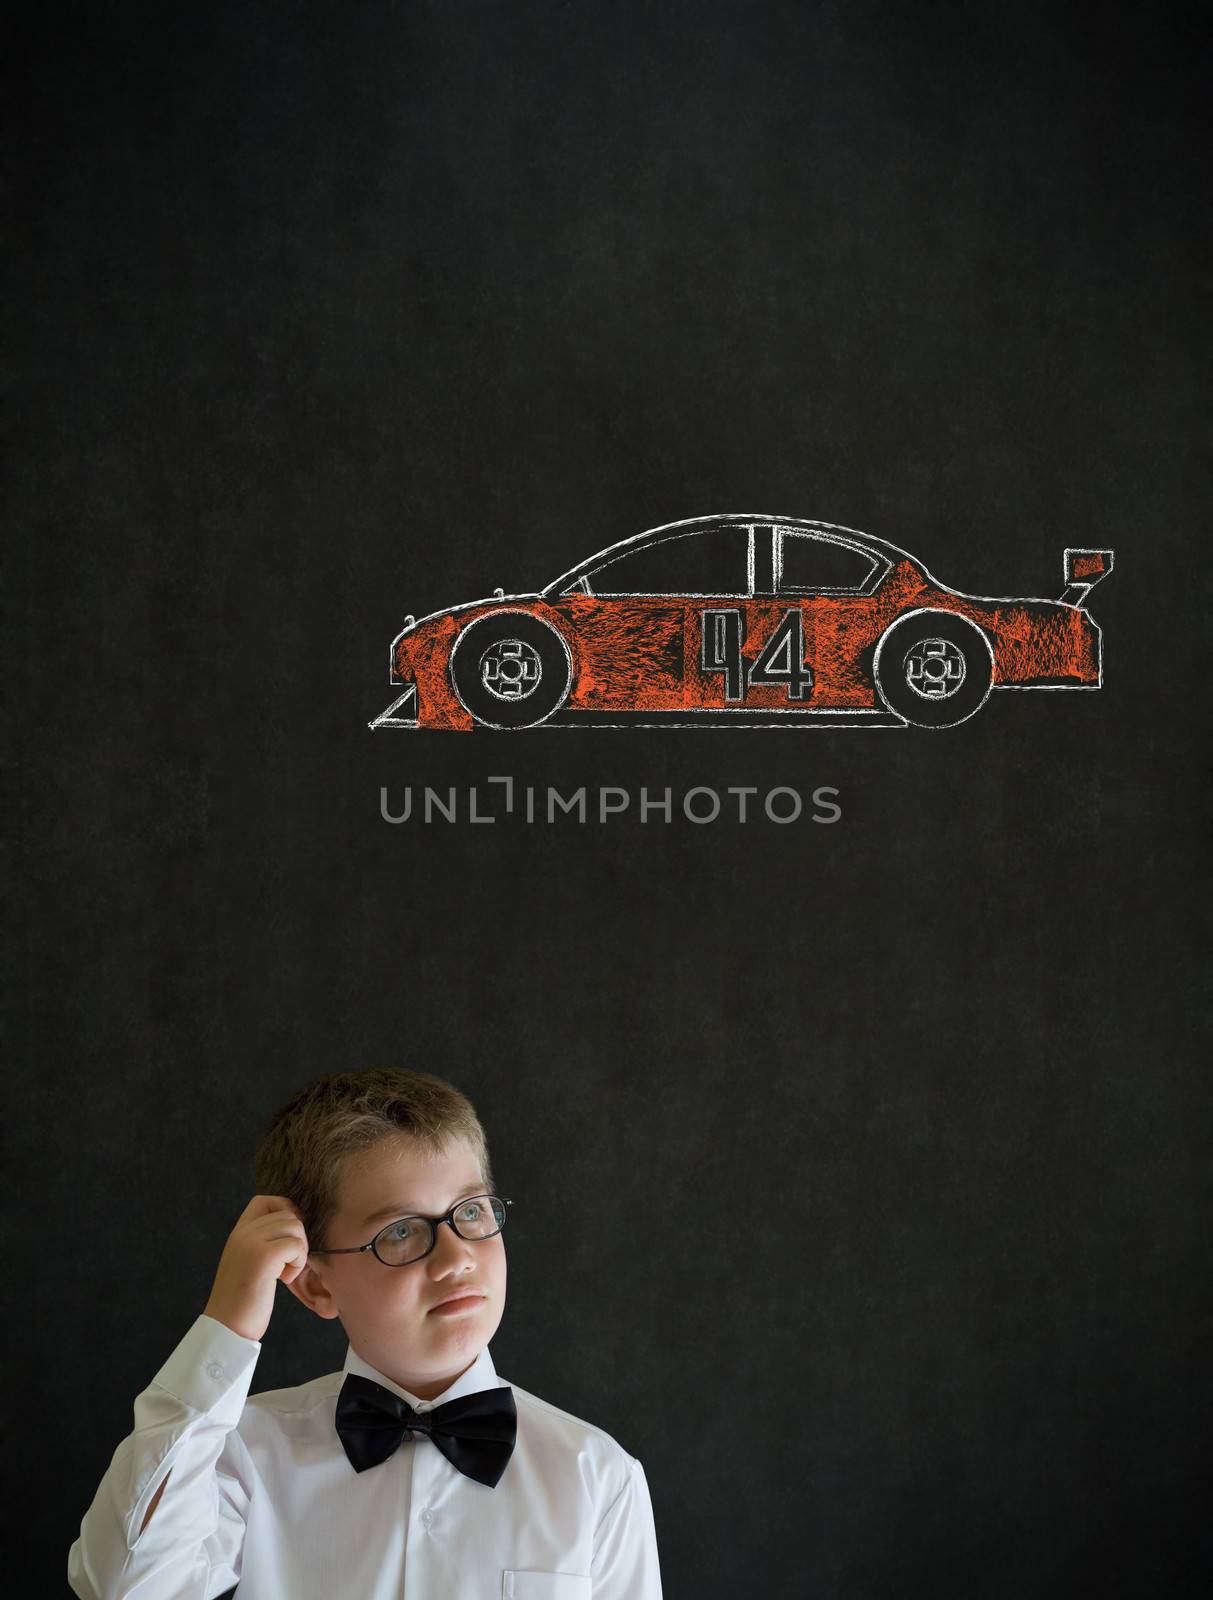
(711, 561)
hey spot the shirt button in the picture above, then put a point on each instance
(214, 1369)
(427, 1519)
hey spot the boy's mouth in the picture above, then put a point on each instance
(464, 1300)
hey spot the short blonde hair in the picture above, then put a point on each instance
(303, 1151)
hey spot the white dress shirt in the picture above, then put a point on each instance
(261, 1494)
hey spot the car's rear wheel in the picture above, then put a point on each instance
(510, 670)
(934, 668)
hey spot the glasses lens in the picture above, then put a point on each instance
(403, 1241)
(480, 1218)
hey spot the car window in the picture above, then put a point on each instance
(808, 563)
(714, 561)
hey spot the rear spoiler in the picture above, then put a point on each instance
(1083, 569)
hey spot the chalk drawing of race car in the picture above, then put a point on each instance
(739, 619)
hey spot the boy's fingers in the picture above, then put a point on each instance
(261, 1204)
(265, 1230)
(275, 1225)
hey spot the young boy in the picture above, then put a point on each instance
(416, 1472)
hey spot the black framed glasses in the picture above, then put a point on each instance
(408, 1239)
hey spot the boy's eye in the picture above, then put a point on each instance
(471, 1211)
(406, 1228)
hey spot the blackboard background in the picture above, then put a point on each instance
(327, 314)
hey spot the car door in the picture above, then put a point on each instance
(635, 621)
(828, 582)
(794, 645)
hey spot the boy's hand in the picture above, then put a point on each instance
(267, 1243)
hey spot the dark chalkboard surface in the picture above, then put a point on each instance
(330, 314)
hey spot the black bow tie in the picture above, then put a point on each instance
(475, 1433)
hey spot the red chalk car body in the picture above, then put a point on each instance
(742, 618)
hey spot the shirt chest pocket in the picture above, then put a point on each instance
(545, 1586)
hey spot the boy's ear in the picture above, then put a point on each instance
(311, 1288)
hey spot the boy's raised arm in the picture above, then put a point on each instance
(168, 1517)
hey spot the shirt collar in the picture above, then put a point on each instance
(480, 1375)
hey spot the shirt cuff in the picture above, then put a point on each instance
(210, 1366)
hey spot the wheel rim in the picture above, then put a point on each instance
(510, 670)
(934, 669)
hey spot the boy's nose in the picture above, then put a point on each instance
(450, 1252)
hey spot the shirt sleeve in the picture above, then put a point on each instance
(625, 1545)
(184, 1427)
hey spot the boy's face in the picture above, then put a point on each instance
(392, 1315)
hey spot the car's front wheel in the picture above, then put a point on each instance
(510, 670)
(934, 668)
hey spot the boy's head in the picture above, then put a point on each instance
(357, 1151)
